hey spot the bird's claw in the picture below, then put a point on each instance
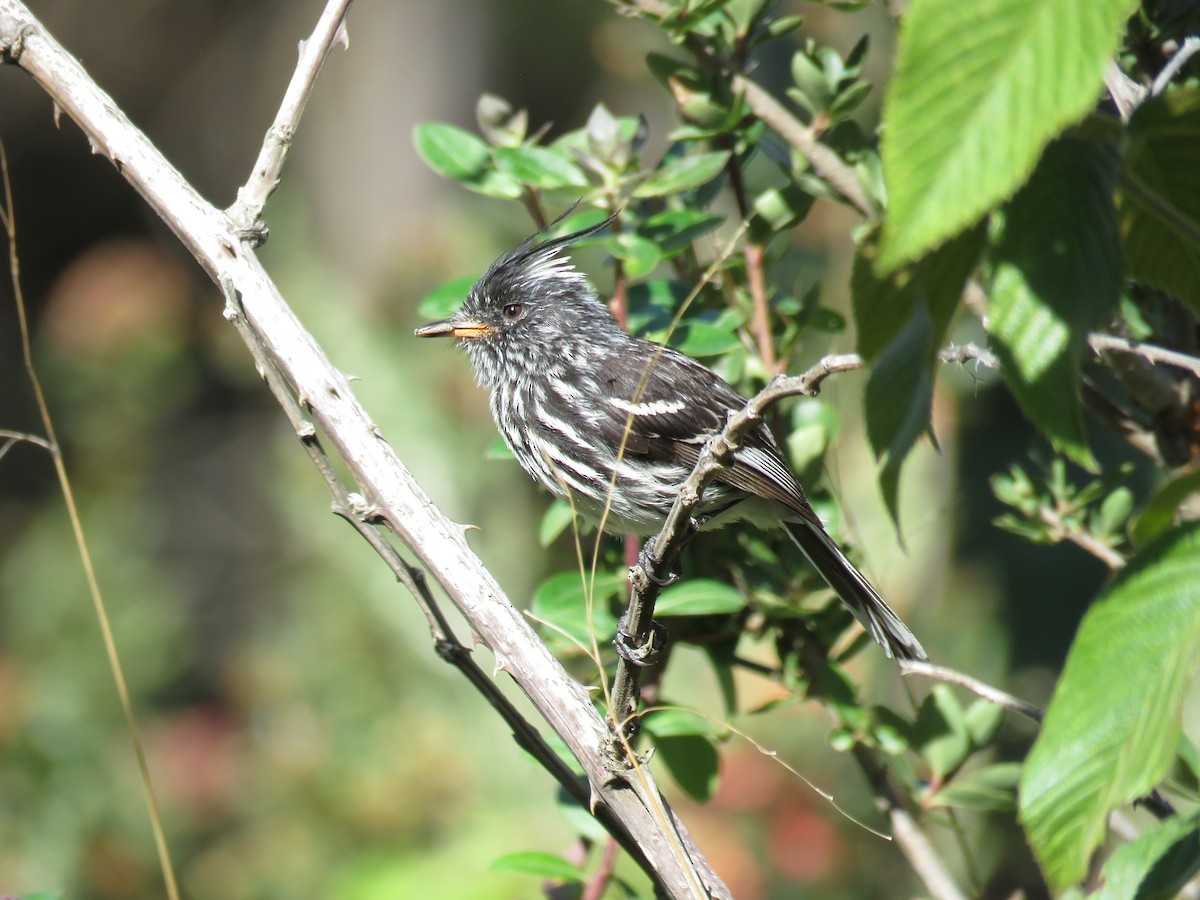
(648, 565)
(642, 655)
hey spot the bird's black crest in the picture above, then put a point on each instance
(533, 260)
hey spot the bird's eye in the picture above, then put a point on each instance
(513, 310)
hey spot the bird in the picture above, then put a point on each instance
(616, 424)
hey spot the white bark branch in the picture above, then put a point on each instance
(438, 543)
(264, 177)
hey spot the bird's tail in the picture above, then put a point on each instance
(880, 621)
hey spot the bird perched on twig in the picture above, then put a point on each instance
(619, 423)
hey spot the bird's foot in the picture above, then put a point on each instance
(649, 564)
(645, 654)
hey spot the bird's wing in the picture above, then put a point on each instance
(665, 405)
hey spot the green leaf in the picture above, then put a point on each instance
(500, 123)
(663, 723)
(979, 90)
(561, 601)
(579, 818)
(443, 302)
(1156, 864)
(497, 449)
(1057, 277)
(675, 230)
(450, 151)
(990, 789)
(683, 174)
(899, 401)
(1159, 198)
(883, 304)
(543, 865)
(940, 733)
(814, 425)
(698, 338)
(777, 209)
(1113, 725)
(693, 762)
(902, 320)
(983, 720)
(639, 254)
(555, 521)
(698, 597)
(539, 167)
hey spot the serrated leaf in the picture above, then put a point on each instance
(444, 301)
(1155, 865)
(990, 789)
(698, 597)
(543, 865)
(883, 304)
(1057, 277)
(953, 147)
(539, 167)
(1160, 194)
(693, 762)
(683, 174)
(451, 151)
(1113, 723)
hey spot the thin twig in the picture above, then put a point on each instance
(760, 322)
(1159, 205)
(252, 197)
(1189, 48)
(910, 838)
(824, 161)
(983, 689)
(1064, 531)
(1126, 93)
(50, 442)
(15, 437)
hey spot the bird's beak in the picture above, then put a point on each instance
(459, 328)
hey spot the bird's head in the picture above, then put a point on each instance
(531, 311)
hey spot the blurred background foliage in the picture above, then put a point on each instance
(304, 739)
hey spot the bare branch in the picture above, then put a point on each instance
(17, 437)
(984, 690)
(1101, 342)
(264, 178)
(1126, 93)
(1189, 48)
(825, 161)
(382, 478)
